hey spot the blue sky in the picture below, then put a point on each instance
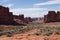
(31, 8)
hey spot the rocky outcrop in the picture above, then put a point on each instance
(7, 17)
(52, 16)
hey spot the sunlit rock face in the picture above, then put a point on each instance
(7, 17)
(52, 16)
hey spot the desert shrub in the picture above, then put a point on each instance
(1, 32)
(48, 33)
(37, 33)
(58, 28)
(44, 31)
(57, 33)
(8, 34)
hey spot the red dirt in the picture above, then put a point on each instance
(29, 36)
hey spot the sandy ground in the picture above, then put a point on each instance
(29, 36)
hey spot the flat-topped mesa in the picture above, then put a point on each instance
(19, 17)
(52, 16)
(58, 16)
(4, 9)
(28, 19)
(7, 17)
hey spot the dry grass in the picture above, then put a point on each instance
(31, 31)
(42, 28)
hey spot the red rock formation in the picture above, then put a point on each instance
(52, 16)
(7, 17)
(28, 19)
(15, 16)
(58, 16)
(45, 18)
(21, 17)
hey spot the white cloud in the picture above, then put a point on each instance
(32, 12)
(9, 5)
(48, 3)
(34, 9)
(29, 9)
